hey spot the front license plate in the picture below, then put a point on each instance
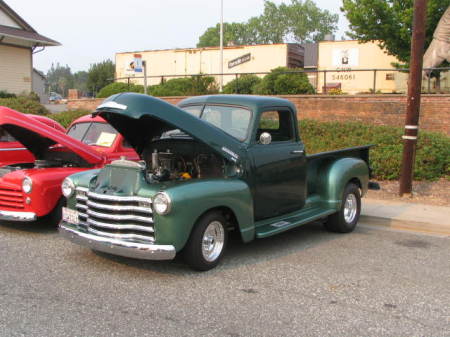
(70, 216)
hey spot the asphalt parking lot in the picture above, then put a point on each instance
(306, 282)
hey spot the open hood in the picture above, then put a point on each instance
(38, 137)
(141, 118)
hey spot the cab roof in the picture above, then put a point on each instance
(253, 102)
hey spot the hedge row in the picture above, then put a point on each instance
(24, 104)
(432, 156)
(67, 117)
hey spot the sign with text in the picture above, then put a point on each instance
(240, 60)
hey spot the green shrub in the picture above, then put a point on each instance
(5, 94)
(24, 104)
(189, 86)
(244, 84)
(118, 87)
(277, 82)
(67, 117)
(432, 155)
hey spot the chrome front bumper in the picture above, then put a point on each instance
(17, 216)
(135, 250)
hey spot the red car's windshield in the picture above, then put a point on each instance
(94, 133)
(5, 136)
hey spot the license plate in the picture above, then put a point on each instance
(70, 216)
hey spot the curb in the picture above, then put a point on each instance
(412, 226)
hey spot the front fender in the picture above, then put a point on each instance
(191, 200)
(334, 177)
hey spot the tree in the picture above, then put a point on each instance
(389, 23)
(245, 84)
(80, 81)
(60, 79)
(300, 21)
(279, 82)
(99, 75)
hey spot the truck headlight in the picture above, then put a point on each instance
(27, 184)
(162, 203)
(67, 187)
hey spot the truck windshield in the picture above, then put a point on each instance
(94, 133)
(231, 119)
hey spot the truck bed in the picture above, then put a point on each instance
(318, 160)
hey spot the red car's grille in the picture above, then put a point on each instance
(12, 198)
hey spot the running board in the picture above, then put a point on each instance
(267, 228)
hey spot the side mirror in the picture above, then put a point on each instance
(265, 138)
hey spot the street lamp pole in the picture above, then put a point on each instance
(221, 45)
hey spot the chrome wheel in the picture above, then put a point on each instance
(350, 208)
(213, 241)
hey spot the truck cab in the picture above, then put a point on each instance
(212, 164)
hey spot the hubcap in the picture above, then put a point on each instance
(213, 241)
(350, 208)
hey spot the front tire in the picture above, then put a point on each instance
(346, 219)
(207, 242)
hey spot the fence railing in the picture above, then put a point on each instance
(335, 81)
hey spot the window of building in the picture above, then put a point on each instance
(390, 77)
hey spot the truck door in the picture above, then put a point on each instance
(279, 166)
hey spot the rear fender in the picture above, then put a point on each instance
(335, 176)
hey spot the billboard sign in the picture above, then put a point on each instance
(239, 60)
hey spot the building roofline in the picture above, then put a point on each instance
(209, 48)
(16, 17)
(25, 35)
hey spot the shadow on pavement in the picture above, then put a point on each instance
(30, 227)
(241, 254)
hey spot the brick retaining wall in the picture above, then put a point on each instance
(372, 109)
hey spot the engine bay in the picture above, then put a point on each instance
(181, 159)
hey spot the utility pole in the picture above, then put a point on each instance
(413, 98)
(144, 65)
(221, 45)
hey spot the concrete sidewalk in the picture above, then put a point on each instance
(407, 216)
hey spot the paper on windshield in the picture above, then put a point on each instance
(106, 139)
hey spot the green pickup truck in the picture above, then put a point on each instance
(211, 165)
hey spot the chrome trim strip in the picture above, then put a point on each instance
(82, 189)
(135, 250)
(120, 227)
(17, 216)
(117, 198)
(119, 208)
(113, 105)
(14, 149)
(119, 217)
(121, 236)
(81, 206)
(80, 197)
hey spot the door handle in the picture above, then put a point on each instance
(298, 152)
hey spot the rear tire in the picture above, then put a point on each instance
(207, 242)
(346, 219)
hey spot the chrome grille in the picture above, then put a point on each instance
(126, 218)
(11, 198)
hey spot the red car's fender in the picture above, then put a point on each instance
(46, 190)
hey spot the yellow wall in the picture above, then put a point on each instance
(359, 56)
(203, 60)
(15, 69)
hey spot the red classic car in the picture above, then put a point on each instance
(12, 152)
(32, 191)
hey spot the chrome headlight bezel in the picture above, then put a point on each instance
(162, 198)
(27, 185)
(67, 187)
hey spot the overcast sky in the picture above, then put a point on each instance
(92, 31)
